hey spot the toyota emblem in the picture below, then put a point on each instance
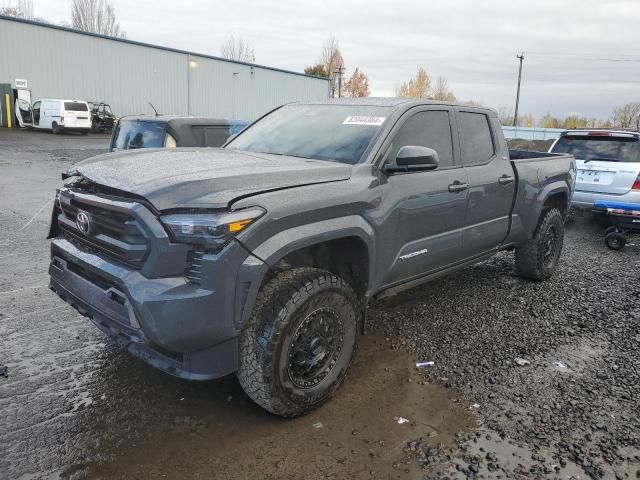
(83, 222)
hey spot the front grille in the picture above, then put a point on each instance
(194, 271)
(113, 233)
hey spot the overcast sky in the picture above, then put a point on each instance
(581, 56)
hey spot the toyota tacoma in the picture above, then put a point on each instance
(259, 258)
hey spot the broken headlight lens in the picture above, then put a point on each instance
(211, 230)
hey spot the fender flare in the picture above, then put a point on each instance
(548, 191)
(253, 269)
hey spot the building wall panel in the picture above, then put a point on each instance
(59, 63)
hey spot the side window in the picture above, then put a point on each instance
(425, 129)
(475, 138)
(216, 136)
(198, 135)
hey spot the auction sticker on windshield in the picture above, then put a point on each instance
(364, 120)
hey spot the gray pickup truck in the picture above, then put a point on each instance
(260, 257)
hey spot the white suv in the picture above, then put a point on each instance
(608, 163)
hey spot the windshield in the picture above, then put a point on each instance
(139, 135)
(339, 133)
(614, 149)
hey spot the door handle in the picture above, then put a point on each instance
(506, 180)
(457, 186)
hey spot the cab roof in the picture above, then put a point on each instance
(395, 102)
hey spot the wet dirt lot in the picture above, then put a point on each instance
(74, 406)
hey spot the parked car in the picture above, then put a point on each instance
(260, 258)
(102, 118)
(608, 164)
(172, 131)
(55, 115)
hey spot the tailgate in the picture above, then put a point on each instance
(612, 178)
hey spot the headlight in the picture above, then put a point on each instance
(211, 230)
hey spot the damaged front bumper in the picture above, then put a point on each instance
(169, 323)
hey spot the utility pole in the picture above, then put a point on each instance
(339, 72)
(515, 116)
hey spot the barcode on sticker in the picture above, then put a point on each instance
(363, 120)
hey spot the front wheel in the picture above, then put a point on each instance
(539, 257)
(298, 345)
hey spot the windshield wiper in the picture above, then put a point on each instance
(287, 155)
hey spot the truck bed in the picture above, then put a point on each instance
(539, 175)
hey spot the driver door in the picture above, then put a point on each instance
(422, 212)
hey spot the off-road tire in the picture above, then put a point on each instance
(283, 305)
(55, 129)
(536, 259)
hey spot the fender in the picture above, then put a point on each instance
(253, 269)
(553, 188)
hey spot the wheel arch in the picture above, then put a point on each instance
(343, 246)
(553, 195)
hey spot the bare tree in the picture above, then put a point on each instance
(237, 49)
(333, 63)
(331, 56)
(441, 91)
(627, 116)
(21, 9)
(95, 16)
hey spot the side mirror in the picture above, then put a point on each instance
(413, 158)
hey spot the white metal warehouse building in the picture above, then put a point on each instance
(64, 63)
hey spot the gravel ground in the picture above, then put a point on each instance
(550, 368)
(539, 380)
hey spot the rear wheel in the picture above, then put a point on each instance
(539, 257)
(615, 240)
(298, 345)
(55, 129)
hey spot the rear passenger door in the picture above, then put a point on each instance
(491, 182)
(420, 229)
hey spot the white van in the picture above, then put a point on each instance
(55, 114)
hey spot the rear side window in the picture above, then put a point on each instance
(210, 136)
(76, 107)
(216, 136)
(612, 149)
(139, 135)
(475, 141)
(426, 129)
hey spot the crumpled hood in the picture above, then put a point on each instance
(204, 178)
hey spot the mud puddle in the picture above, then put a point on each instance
(356, 435)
